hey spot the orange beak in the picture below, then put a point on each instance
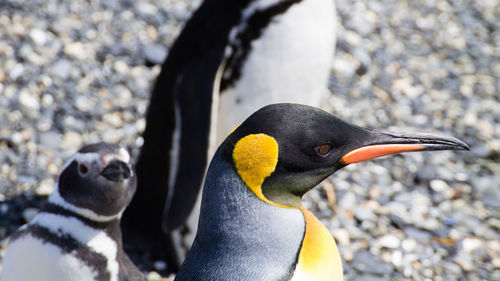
(374, 151)
(389, 143)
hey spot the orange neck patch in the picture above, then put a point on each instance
(319, 258)
(255, 157)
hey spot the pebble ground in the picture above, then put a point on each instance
(75, 72)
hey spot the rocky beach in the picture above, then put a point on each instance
(75, 72)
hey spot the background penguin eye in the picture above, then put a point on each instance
(323, 149)
(83, 169)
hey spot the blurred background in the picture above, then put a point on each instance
(75, 72)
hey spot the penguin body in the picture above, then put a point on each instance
(252, 224)
(257, 240)
(231, 58)
(76, 236)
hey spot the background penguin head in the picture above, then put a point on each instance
(311, 144)
(98, 182)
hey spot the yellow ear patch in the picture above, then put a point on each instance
(255, 157)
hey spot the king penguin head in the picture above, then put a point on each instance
(97, 182)
(284, 150)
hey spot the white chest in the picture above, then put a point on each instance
(289, 62)
(31, 259)
(37, 255)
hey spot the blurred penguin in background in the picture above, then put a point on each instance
(232, 58)
(76, 236)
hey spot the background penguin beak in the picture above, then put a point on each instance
(117, 171)
(385, 143)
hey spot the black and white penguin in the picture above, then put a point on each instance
(76, 236)
(232, 58)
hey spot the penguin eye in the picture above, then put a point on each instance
(83, 169)
(323, 149)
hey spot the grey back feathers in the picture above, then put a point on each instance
(240, 234)
(76, 235)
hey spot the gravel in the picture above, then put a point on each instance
(75, 72)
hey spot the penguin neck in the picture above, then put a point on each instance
(112, 227)
(283, 198)
(235, 222)
(227, 202)
(56, 199)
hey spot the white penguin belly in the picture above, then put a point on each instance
(289, 62)
(31, 259)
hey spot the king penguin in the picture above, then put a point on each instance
(76, 235)
(252, 224)
(231, 58)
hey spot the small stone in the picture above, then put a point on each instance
(453, 268)
(28, 100)
(16, 137)
(418, 235)
(352, 38)
(38, 36)
(124, 97)
(342, 236)
(443, 188)
(112, 135)
(345, 65)
(76, 49)
(461, 176)
(439, 185)
(26, 179)
(113, 119)
(155, 53)
(71, 141)
(46, 187)
(47, 100)
(389, 241)
(464, 260)
(121, 67)
(480, 150)
(368, 263)
(62, 69)
(346, 202)
(491, 195)
(74, 124)
(397, 258)
(16, 71)
(154, 276)
(146, 8)
(50, 140)
(496, 262)
(470, 118)
(84, 103)
(405, 86)
(53, 168)
(364, 213)
(485, 128)
(370, 277)
(471, 244)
